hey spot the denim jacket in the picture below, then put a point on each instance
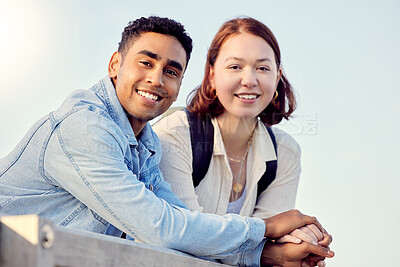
(82, 167)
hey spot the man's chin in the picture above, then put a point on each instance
(146, 116)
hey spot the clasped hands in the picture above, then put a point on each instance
(295, 240)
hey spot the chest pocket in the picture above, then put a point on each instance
(149, 173)
(151, 178)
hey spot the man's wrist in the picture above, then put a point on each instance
(270, 255)
(268, 228)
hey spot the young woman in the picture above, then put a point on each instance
(244, 90)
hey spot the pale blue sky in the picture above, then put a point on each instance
(342, 57)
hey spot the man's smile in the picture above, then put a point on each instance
(149, 96)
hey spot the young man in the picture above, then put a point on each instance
(93, 163)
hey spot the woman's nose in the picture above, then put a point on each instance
(249, 78)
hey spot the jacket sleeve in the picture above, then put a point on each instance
(87, 160)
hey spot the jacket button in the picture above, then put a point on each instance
(151, 187)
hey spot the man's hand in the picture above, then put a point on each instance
(292, 255)
(285, 222)
(316, 260)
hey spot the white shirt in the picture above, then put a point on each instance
(213, 192)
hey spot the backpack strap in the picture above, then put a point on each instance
(270, 173)
(202, 141)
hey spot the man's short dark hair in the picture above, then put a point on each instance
(158, 25)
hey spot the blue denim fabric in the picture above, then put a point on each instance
(82, 167)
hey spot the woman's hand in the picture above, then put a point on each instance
(308, 233)
(286, 222)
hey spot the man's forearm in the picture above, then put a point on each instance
(251, 257)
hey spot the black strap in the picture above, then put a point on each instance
(202, 141)
(270, 173)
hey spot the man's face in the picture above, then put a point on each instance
(148, 78)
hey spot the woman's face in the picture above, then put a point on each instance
(245, 75)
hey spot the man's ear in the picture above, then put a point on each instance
(114, 65)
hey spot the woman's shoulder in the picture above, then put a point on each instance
(174, 119)
(286, 141)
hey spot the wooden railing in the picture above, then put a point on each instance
(30, 241)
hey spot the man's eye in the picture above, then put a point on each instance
(171, 72)
(145, 63)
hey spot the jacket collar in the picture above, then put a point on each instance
(117, 113)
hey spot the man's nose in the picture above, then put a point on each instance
(155, 77)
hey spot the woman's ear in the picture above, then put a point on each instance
(114, 65)
(211, 78)
(278, 76)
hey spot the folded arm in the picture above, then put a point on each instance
(94, 171)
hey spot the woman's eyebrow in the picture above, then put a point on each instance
(242, 59)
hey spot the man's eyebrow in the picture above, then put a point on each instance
(150, 54)
(172, 63)
(175, 64)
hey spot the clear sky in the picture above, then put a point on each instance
(343, 58)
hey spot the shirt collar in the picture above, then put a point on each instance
(219, 147)
(262, 143)
(149, 138)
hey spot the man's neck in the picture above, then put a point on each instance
(137, 125)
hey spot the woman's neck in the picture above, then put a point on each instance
(236, 133)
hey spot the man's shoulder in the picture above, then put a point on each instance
(83, 109)
(83, 101)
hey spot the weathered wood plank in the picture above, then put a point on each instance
(20, 244)
(34, 242)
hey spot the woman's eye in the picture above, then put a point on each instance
(264, 68)
(234, 67)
